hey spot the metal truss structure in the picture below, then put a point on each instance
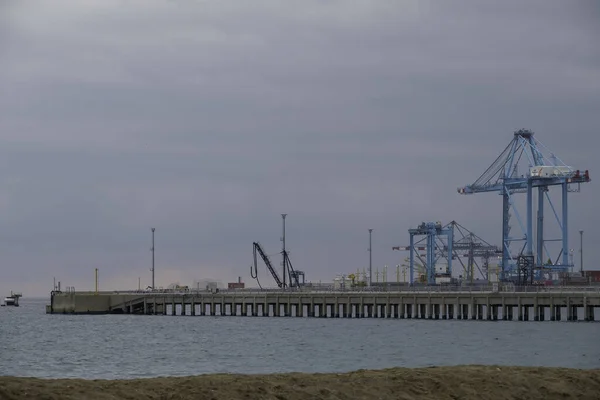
(447, 243)
(477, 252)
(523, 168)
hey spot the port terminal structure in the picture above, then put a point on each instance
(502, 300)
(444, 244)
(521, 168)
(567, 304)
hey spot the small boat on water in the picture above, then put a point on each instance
(12, 300)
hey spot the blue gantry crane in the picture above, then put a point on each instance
(542, 172)
(436, 237)
(432, 231)
(447, 243)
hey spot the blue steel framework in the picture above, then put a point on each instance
(503, 176)
(469, 245)
(450, 242)
(432, 231)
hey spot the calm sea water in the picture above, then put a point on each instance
(124, 346)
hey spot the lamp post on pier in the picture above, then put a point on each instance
(152, 229)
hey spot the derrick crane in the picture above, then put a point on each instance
(293, 274)
(542, 172)
(254, 272)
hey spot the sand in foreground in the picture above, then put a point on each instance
(468, 382)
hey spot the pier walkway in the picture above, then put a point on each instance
(554, 304)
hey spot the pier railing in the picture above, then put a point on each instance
(375, 290)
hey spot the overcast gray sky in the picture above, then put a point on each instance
(207, 119)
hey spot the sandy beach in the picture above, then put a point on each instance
(465, 382)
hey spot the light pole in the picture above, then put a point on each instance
(283, 253)
(581, 251)
(370, 259)
(152, 229)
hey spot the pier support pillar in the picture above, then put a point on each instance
(520, 310)
(589, 313)
(574, 314)
(557, 316)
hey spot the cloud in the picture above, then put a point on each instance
(208, 119)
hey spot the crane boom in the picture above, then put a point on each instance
(267, 261)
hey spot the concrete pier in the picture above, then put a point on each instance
(343, 304)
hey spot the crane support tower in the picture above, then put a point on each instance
(507, 176)
(432, 232)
